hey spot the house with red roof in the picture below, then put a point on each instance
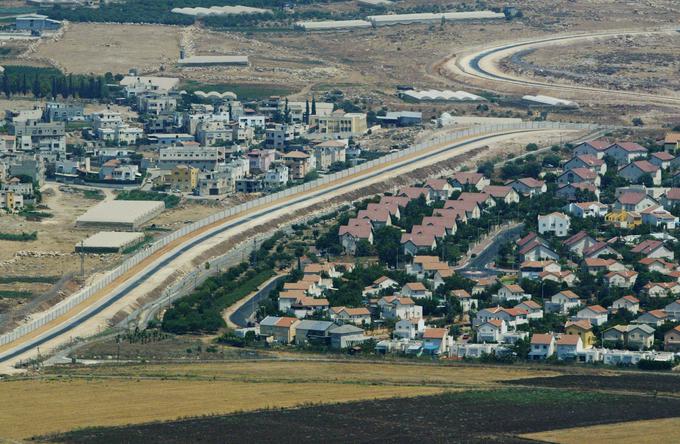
(671, 340)
(466, 180)
(279, 329)
(598, 249)
(634, 201)
(391, 208)
(563, 301)
(655, 318)
(354, 232)
(528, 186)
(533, 309)
(416, 192)
(671, 198)
(579, 175)
(579, 242)
(400, 201)
(482, 199)
(471, 208)
(662, 159)
(416, 290)
(621, 279)
(572, 191)
(596, 314)
(659, 217)
(379, 217)
(587, 209)
(625, 152)
(500, 193)
(510, 293)
(593, 163)
(457, 215)
(441, 188)
(637, 170)
(629, 303)
(491, 331)
(415, 243)
(595, 148)
(398, 307)
(653, 248)
(596, 265)
(436, 341)
(449, 224)
(542, 346)
(347, 315)
(568, 347)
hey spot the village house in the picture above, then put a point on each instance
(355, 231)
(639, 169)
(381, 284)
(655, 318)
(416, 290)
(481, 199)
(448, 224)
(662, 159)
(671, 340)
(280, 329)
(583, 329)
(533, 269)
(306, 306)
(579, 242)
(556, 223)
(568, 347)
(465, 180)
(563, 301)
(634, 201)
(654, 249)
(344, 315)
(561, 277)
(470, 207)
(536, 250)
(596, 265)
(657, 264)
(574, 191)
(346, 335)
(409, 328)
(491, 330)
(673, 310)
(528, 186)
(414, 243)
(582, 210)
(593, 163)
(394, 307)
(310, 331)
(510, 293)
(440, 277)
(441, 189)
(596, 314)
(624, 153)
(671, 142)
(502, 193)
(629, 303)
(579, 175)
(595, 148)
(436, 341)
(533, 309)
(417, 192)
(391, 208)
(600, 249)
(513, 317)
(671, 198)
(467, 302)
(621, 279)
(659, 217)
(661, 289)
(378, 217)
(542, 346)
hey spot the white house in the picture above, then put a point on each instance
(568, 347)
(579, 242)
(629, 303)
(556, 223)
(638, 169)
(409, 328)
(625, 152)
(564, 301)
(596, 314)
(511, 293)
(595, 148)
(542, 346)
(588, 209)
(393, 307)
(491, 330)
(533, 309)
(416, 290)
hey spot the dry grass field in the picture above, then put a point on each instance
(658, 431)
(118, 395)
(101, 48)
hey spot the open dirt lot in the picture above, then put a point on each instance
(118, 395)
(100, 48)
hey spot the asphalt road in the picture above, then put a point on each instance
(474, 66)
(79, 318)
(245, 312)
(477, 266)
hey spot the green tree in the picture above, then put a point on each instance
(387, 241)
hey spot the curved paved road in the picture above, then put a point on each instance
(481, 65)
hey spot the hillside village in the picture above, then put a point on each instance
(592, 277)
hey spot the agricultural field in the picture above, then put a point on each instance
(653, 430)
(460, 416)
(73, 397)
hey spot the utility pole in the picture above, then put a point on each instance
(82, 260)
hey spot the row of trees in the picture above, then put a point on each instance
(50, 82)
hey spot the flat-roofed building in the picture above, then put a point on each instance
(121, 214)
(109, 242)
(339, 124)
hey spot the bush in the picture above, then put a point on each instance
(649, 364)
(531, 147)
(20, 237)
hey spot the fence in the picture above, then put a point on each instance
(443, 142)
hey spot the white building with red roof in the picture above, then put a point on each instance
(637, 170)
(593, 163)
(441, 188)
(595, 148)
(634, 201)
(625, 152)
(596, 314)
(662, 159)
(542, 346)
(579, 175)
(465, 180)
(528, 186)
